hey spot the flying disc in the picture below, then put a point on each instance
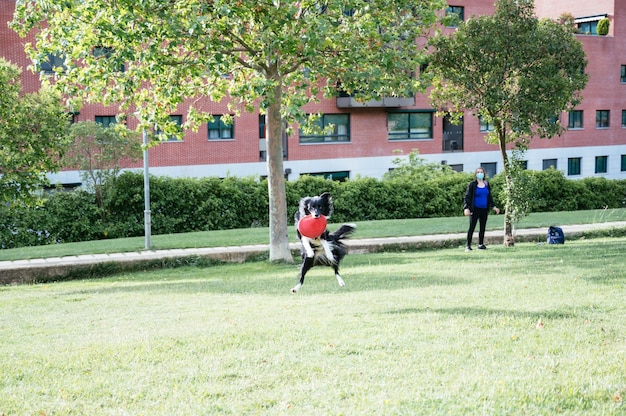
(312, 227)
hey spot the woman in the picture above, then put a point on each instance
(476, 206)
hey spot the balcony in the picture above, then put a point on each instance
(387, 102)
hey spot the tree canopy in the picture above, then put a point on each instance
(33, 135)
(514, 71)
(275, 55)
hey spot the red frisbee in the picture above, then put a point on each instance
(312, 227)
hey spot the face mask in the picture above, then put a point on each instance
(480, 175)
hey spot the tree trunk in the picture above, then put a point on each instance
(509, 239)
(279, 236)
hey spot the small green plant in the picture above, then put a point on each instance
(603, 27)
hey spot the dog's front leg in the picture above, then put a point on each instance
(328, 251)
(306, 243)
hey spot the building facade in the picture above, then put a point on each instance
(367, 137)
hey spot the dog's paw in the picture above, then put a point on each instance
(296, 288)
(340, 281)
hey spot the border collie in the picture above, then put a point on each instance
(327, 249)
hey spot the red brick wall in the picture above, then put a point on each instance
(369, 125)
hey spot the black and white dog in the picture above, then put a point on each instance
(327, 249)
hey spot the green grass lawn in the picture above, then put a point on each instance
(365, 229)
(535, 329)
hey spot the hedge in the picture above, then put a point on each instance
(191, 204)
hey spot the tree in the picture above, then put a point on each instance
(276, 55)
(33, 136)
(515, 72)
(98, 151)
(417, 168)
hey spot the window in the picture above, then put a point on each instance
(601, 164)
(549, 163)
(262, 132)
(178, 120)
(588, 28)
(490, 168)
(575, 119)
(410, 125)
(573, 166)
(484, 126)
(105, 52)
(588, 25)
(52, 62)
(623, 168)
(339, 125)
(622, 76)
(623, 118)
(602, 119)
(106, 121)
(219, 130)
(340, 176)
(454, 15)
(73, 116)
(262, 138)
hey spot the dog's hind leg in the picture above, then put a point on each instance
(338, 276)
(307, 263)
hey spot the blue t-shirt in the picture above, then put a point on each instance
(481, 197)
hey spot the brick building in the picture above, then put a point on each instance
(365, 142)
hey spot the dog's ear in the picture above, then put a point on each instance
(304, 205)
(328, 204)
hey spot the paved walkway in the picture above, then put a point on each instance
(44, 269)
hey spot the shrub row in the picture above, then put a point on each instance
(186, 205)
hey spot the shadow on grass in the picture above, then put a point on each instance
(316, 283)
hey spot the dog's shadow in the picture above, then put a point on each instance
(263, 278)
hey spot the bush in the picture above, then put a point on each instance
(603, 27)
(186, 205)
(600, 193)
(74, 216)
(552, 192)
(61, 217)
(23, 226)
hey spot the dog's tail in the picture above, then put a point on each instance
(342, 232)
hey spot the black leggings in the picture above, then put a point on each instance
(479, 214)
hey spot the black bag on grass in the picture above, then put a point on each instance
(555, 235)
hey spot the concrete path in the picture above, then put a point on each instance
(47, 269)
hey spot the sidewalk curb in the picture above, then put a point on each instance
(59, 268)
